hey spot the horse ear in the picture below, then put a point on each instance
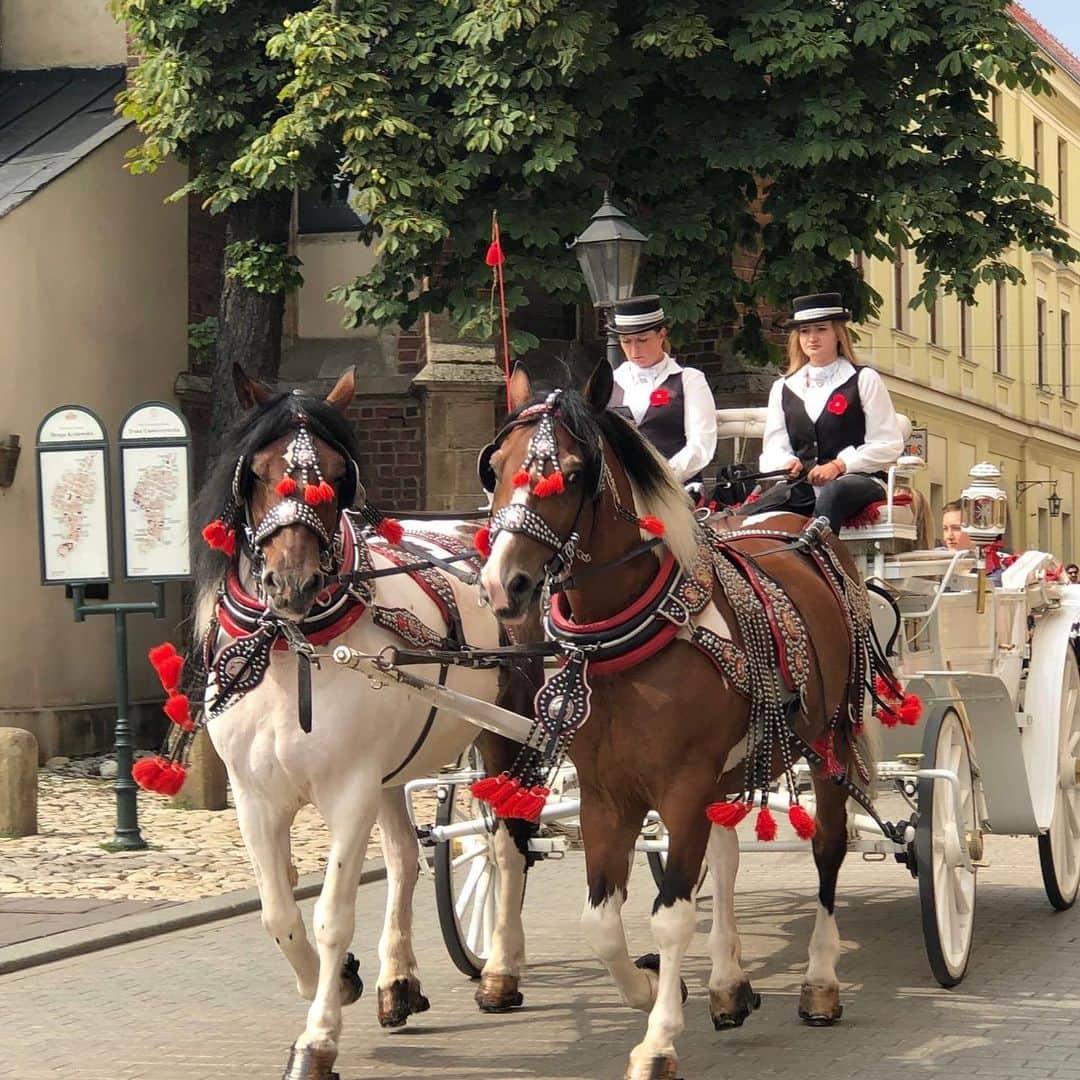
(344, 390)
(520, 387)
(599, 387)
(249, 392)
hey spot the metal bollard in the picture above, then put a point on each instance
(18, 782)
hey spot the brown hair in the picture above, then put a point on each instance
(798, 359)
(952, 507)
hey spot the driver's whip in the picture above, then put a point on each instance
(495, 259)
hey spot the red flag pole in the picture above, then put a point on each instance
(495, 260)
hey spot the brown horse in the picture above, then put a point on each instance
(669, 732)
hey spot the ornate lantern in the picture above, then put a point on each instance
(608, 252)
(983, 514)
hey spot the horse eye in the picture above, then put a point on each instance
(572, 477)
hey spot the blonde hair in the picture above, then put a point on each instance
(798, 359)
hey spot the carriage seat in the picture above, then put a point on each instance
(890, 522)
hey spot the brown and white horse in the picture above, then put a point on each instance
(663, 733)
(365, 741)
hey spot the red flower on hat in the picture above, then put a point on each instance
(660, 397)
(837, 404)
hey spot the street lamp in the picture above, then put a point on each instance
(1053, 501)
(608, 252)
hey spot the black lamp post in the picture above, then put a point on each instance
(608, 252)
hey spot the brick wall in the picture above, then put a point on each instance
(391, 436)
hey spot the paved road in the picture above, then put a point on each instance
(217, 1001)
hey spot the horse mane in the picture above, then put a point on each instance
(252, 431)
(656, 489)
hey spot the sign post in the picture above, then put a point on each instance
(75, 537)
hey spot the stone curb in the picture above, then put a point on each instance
(129, 928)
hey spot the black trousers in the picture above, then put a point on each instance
(839, 500)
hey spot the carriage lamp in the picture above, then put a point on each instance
(1053, 501)
(9, 459)
(983, 513)
(608, 252)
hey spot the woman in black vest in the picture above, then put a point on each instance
(831, 423)
(670, 405)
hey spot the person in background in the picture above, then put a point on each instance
(671, 405)
(1072, 572)
(953, 535)
(831, 425)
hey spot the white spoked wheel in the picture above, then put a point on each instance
(466, 880)
(1059, 846)
(946, 883)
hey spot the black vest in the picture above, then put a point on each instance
(663, 425)
(816, 442)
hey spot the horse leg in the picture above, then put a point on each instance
(673, 922)
(498, 990)
(819, 1001)
(349, 814)
(265, 829)
(398, 986)
(608, 834)
(731, 997)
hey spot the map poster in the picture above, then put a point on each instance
(74, 507)
(155, 512)
(155, 476)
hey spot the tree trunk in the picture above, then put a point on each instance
(249, 322)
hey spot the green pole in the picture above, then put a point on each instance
(128, 837)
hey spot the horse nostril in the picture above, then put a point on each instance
(519, 586)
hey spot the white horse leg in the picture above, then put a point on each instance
(265, 829)
(731, 997)
(498, 990)
(398, 986)
(603, 928)
(349, 816)
(673, 928)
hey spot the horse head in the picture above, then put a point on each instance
(565, 475)
(295, 471)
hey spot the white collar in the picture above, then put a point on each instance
(632, 375)
(809, 376)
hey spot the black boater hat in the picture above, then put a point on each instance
(638, 315)
(818, 307)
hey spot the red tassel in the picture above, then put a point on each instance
(505, 795)
(146, 772)
(326, 492)
(178, 710)
(521, 478)
(549, 485)
(765, 826)
(219, 538)
(390, 530)
(532, 803)
(482, 541)
(286, 486)
(172, 778)
(727, 814)
(803, 824)
(161, 652)
(509, 808)
(824, 748)
(652, 525)
(494, 256)
(169, 671)
(886, 688)
(228, 545)
(312, 496)
(484, 789)
(888, 716)
(911, 709)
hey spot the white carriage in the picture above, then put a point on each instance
(996, 749)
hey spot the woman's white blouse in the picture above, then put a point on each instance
(884, 440)
(699, 409)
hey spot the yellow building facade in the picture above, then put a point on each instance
(999, 380)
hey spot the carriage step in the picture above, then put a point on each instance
(551, 846)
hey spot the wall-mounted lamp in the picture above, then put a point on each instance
(9, 458)
(1053, 502)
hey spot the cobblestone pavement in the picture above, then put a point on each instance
(192, 853)
(218, 1000)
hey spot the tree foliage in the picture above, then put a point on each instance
(794, 132)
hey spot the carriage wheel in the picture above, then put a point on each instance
(1059, 846)
(466, 880)
(946, 885)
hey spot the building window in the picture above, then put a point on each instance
(999, 327)
(327, 210)
(1066, 381)
(935, 321)
(1062, 180)
(900, 298)
(1036, 148)
(1040, 344)
(964, 342)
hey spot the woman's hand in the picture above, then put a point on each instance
(822, 474)
(793, 467)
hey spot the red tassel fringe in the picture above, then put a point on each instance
(824, 747)
(549, 485)
(482, 541)
(390, 530)
(484, 789)
(178, 710)
(158, 775)
(727, 814)
(494, 256)
(652, 525)
(286, 486)
(521, 478)
(804, 825)
(911, 709)
(220, 538)
(765, 826)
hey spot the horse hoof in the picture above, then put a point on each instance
(819, 1005)
(661, 1067)
(310, 1063)
(352, 986)
(730, 1008)
(498, 993)
(400, 1000)
(651, 962)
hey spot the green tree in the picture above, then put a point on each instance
(798, 131)
(203, 91)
